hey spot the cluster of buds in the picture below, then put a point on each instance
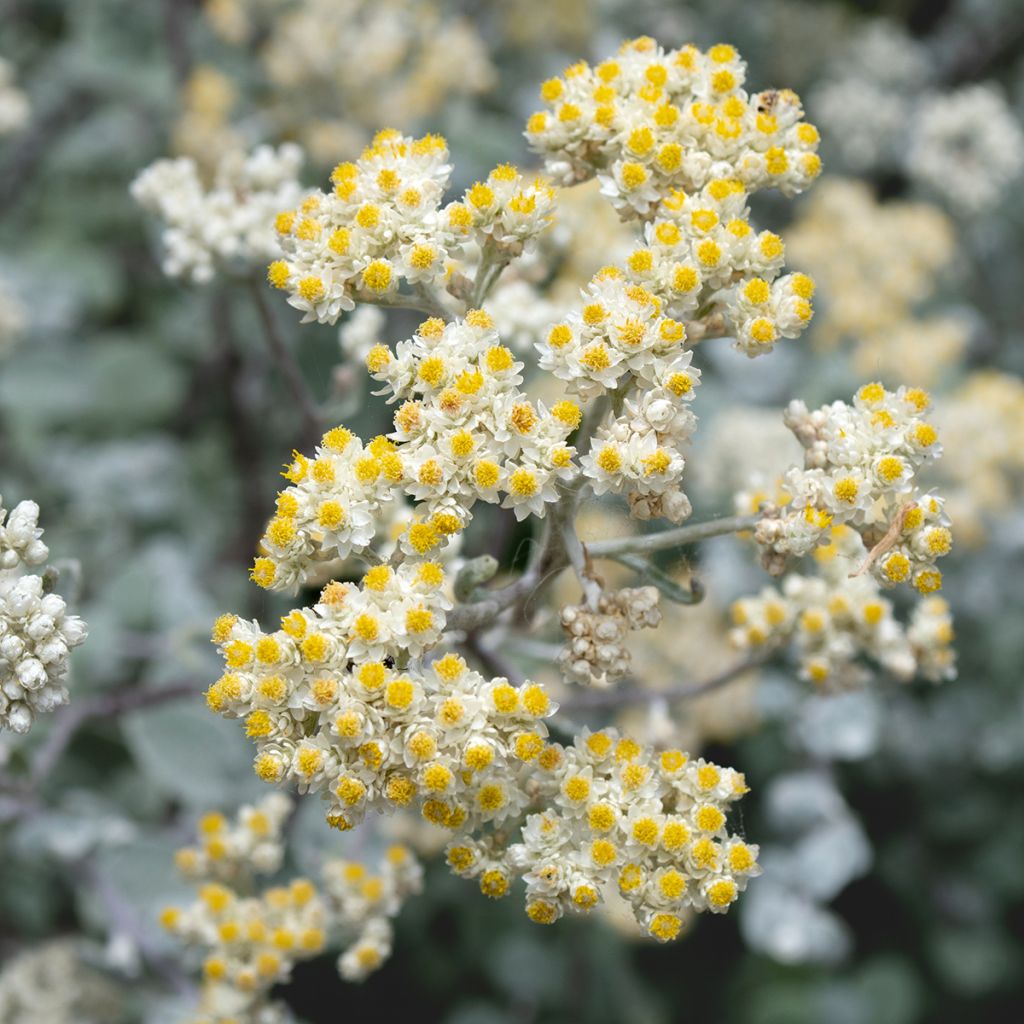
(252, 939)
(228, 227)
(615, 814)
(36, 633)
(595, 653)
(860, 469)
(839, 618)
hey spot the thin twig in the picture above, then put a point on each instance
(104, 705)
(491, 660)
(615, 698)
(548, 558)
(124, 919)
(45, 131)
(177, 14)
(690, 534)
(576, 554)
(289, 367)
(421, 303)
(244, 426)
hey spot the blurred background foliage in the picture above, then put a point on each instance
(144, 417)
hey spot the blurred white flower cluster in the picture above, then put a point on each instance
(861, 463)
(228, 851)
(250, 940)
(837, 619)
(968, 147)
(227, 227)
(364, 903)
(54, 984)
(14, 106)
(876, 264)
(983, 463)
(36, 633)
(883, 111)
(334, 70)
(867, 104)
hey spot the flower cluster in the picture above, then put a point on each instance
(652, 121)
(335, 69)
(14, 105)
(383, 224)
(228, 227)
(686, 165)
(837, 618)
(227, 851)
(968, 148)
(615, 813)
(364, 903)
(619, 340)
(875, 263)
(883, 111)
(595, 653)
(332, 508)
(348, 698)
(36, 633)
(55, 982)
(930, 633)
(330, 708)
(860, 468)
(982, 422)
(869, 99)
(465, 429)
(251, 942)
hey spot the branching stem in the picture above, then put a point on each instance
(626, 697)
(288, 365)
(689, 534)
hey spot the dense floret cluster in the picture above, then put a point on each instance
(250, 941)
(651, 121)
(838, 619)
(383, 224)
(861, 469)
(36, 633)
(615, 814)
(226, 227)
(338, 702)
